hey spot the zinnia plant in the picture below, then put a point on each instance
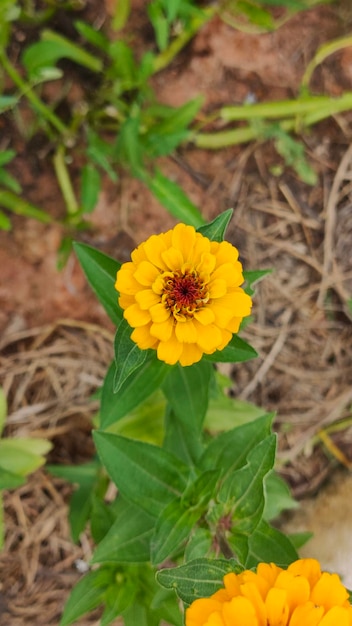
(301, 595)
(193, 469)
(182, 295)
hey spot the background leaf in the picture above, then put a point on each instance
(147, 476)
(236, 351)
(100, 271)
(174, 199)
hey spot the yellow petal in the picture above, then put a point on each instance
(183, 239)
(162, 330)
(153, 248)
(159, 313)
(205, 315)
(190, 354)
(186, 331)
(234, 324)
(309, 568)
(207, 263)
(251, 592)
(147, 298)
(125, 281)
(277, 607)
(329, 591)
(337, 616)
(173, 259)
(208, 337)
(296, 587)
(224, 251)
(217, 288)
(230, 272)
(169, 351)
(307, 615)
(142, 337)
(200, 610)
(135, 316)
(146, 273)
(239, 612)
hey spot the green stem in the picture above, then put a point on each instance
(37, 104)
(14, 203)
(165, 57)
(64, 181)
(214, 141)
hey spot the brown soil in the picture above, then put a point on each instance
(50, 366)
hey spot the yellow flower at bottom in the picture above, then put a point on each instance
(300, 596)
(181, 294)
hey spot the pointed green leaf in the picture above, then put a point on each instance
(86, 595)
(252, 277)
(100, 271)
(245, 486)
(128, 356)
(229, 450)
(128, 540)
(145, 475)
(187, 391)
(144, 381)
(236, 351)
(171, 196)
(200, 544)
(215, 230)
(269, 545)
(172, 528)
(196, 579)
(90, 187)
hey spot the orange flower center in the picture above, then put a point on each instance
(184, 293)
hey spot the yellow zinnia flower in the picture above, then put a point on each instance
(181, 293)
(300, 596)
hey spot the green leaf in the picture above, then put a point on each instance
(121, 13)
(6, 180)
(145, 422)
(229, 450)
(278, 496)
(145, 475)
(245, 486)
(128, 540)
(165, 135)
(129, 150)
(215, 230)
(187, 391)
(128, 356)
(90, 187)
(23, 456)
(225, 413)
(3, 409)
(52, 48)
(144, 381)
(251, 277)
(173, 527)
(269, 545)
(160, 25)
(7, 102)
(86, 595)
(100, 271)
(179, 441)
(256, 15)
(5, 222)
(200, 544)
(6, 155)
(173, 198)
(93, 36)
(237, 351)
(10, 480)
(196, 579)
(2, 524)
